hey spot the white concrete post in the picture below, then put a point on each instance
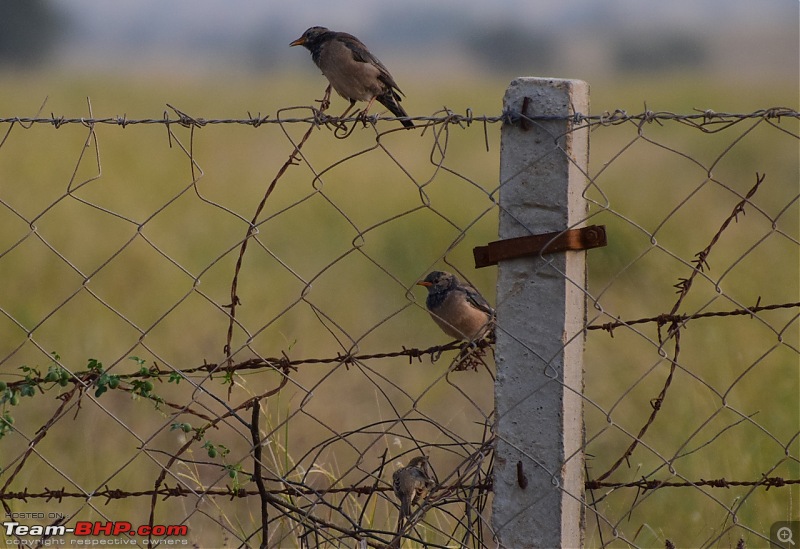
(539, 462)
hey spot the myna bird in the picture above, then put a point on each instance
(459, 310)
(352, 70)
(411, 484)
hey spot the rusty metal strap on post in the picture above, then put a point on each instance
(583, 238)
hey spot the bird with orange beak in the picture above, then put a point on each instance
(458, 309)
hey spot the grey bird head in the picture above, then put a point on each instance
(313, 38)
(420, 462)
(439, 284)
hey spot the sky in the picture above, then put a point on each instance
(184, 15)
(195, 28)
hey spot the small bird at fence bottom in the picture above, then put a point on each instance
(411, 484)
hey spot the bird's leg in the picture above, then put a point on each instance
(325, 102)
(348, 109)
(341, 128)
(326, 99)
(363, 114)
(468, 348)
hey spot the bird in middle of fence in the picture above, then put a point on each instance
(459, 310)
(352, 70)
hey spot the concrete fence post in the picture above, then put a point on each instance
(541, 308)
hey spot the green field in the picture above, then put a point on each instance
(122, 242)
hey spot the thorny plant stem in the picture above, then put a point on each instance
(684, 285)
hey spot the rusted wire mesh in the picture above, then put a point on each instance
(215, 323)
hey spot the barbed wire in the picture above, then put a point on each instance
(166, 492)
(700, 119)
(667, 318)
(434, 352)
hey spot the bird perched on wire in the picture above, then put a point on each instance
(411, 484)
(459, 310)
(352, 70)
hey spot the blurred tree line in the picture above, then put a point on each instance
(517, 48)
(29, 31)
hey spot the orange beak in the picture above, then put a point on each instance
(424, 283)
(299, 42)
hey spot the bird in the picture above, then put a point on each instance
(458, 309)
(411, 484)
(352, 70)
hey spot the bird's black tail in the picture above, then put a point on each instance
(405, 507)
(391, 101)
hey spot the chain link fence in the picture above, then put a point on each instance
(215, 324)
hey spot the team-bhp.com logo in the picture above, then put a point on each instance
(89, 529)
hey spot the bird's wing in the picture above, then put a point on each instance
(363, 55)
(396, 482)
(476, 300)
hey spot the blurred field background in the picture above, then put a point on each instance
(158, 241)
